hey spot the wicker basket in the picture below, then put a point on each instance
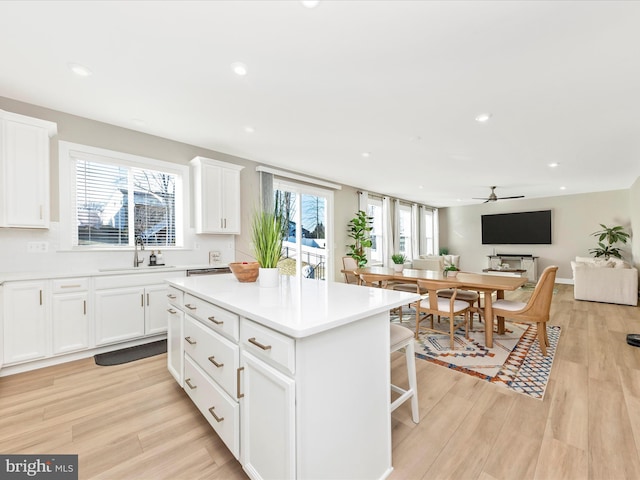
(245, 271)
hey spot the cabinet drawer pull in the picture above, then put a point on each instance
(147, 299)
(190, 307)
(217, 322)
(218, 419)
(70, 286)
(238, 394)
(142, 299)
(211, 359)
(188, 339)
(84, 307)
(171, 311)
(171, 296)
(188, 382)
(258, 344)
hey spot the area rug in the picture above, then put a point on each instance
(130, 354)
(515, 361)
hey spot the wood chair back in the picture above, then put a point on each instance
(372, 280)
(433, 286)
(348, 263)
(539, 304)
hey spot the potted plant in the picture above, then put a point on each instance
(611, 235)
(359, 228)
(398, 259)
(266, 235)
(450, 271)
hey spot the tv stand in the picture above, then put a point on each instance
(526, 262)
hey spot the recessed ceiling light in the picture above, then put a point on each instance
(366, 154)
(554, 164)
(310, 3)
(563, 188)
(239, 68)
(79, 70)
(483, 117)
(249, 129)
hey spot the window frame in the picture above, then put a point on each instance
(299, 189)
(70, 152)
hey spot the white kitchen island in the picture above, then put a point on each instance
(294, 379)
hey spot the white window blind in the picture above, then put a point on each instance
(116, 204)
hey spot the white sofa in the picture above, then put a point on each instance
(435, 262)
(609, 281)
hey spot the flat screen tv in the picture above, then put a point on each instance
(523, 228)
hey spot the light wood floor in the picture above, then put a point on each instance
(133, 422)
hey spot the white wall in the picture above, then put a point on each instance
(574, 218)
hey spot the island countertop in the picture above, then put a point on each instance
(298, 307)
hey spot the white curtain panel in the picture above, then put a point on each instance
(422, 246)
(436, 233)
(363, 201)
(415, 231)
(363, 204)
(396, 229)
(387, 232)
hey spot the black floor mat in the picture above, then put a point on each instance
(130, 354)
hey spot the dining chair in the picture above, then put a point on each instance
(536, 310)
(349, 263)
(400, 338)
(468, 296)
(432, 305)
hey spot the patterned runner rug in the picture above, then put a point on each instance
(515, 361)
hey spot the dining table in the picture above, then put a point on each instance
(479, 282)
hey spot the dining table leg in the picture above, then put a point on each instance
(488, 320)
(500, 320)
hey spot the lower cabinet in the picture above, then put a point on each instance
(155, 320)
(268, 427)
(130, 312)
(70, 315)
(25, 321)
(44, 321)
(119, 314)
(175, 319)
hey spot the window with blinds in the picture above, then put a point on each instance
(115, 204)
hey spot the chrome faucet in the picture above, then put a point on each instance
(136, 260)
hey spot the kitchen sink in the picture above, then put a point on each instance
(145, 268)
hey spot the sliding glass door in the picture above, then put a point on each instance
(308, 236)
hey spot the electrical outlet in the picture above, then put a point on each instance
(37, 247)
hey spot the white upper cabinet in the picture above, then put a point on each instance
(216, 195)
(24, 170)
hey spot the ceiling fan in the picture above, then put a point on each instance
(493, 198)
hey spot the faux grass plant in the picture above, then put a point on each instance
(266, 233)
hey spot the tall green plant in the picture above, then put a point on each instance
(266, 234)
(611, 235)
(359, 228)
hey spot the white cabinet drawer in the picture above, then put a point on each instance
(175, 296)
(217, 356)
(222, 413)
(274, 347)
(68, 285)
(219, 319)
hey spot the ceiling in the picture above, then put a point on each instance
(400, 80)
